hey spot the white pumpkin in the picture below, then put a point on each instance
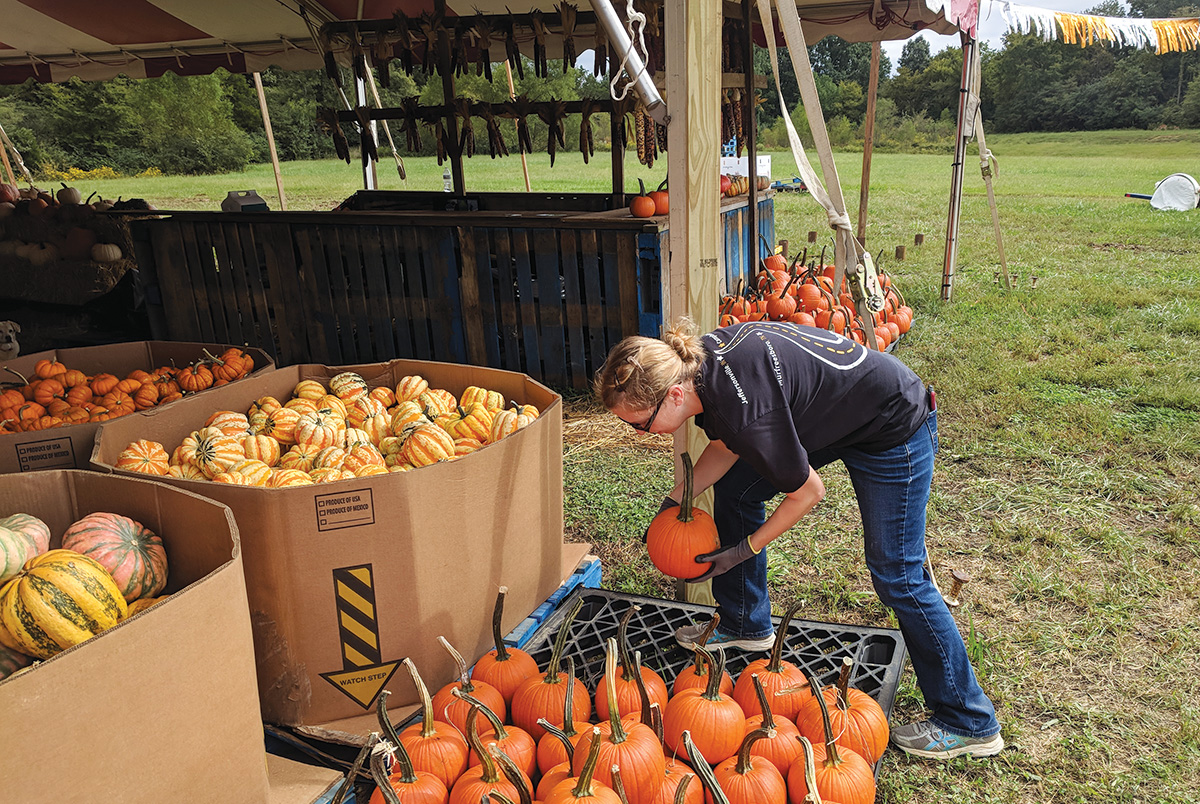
(68, 195)
(106, 252)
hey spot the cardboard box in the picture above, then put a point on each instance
(346, 579)
(71, 447)
(162, 705)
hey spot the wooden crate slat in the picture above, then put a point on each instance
(180, 311)
(527, 307)
(592, 266)
(199, 280)
(552, 336)
(285, 296)
(414, 288)
(510, 318)
(251, 267)
(430, 273)
(446, 295)
(317, 297)
(393, 268)
(627, 283)
(360, 303)
(486, 273)
(573, 308)
(472, 308)
(336, 259)
(378, 297)
(230, 297)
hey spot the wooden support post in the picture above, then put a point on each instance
(900, 253)
(266, 117)
(864, 189)
(918, 239)
(812, 237)
(753, 248)
(950, 258)
(783, 249)
(693, 66)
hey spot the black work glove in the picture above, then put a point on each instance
(724, 560)
(666, 503)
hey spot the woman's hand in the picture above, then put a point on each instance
(724, 560)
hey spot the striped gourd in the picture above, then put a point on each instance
(215, 452)
(507, 422)
(302, 405)
(349, 386)
(58, 600)
(319, 430)
(330, 458)
(411, 387)
(282, 478)
(281, 425)
(309, 389)
(371, 469)
(35, 529)
(145, 457)
(262, 448)
(400, 467)
(427, 445)
(232, 479)
(406, 413)
(465, 446)
(229, 422)
(330, 474)
(384, 395)
(468, 422)
(353, 436)
(132, 553)
(362, 456)
(492, 400)
(186, 471)
(299, 456)
(15, 549)
(264, 404)
(255, 471)
(438, 400)
(333, 405)
(363, 409)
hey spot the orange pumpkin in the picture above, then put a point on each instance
(144, 456)
(503, 667)
(854, 716)
(435, 746)
(839, 773)
(679, 534)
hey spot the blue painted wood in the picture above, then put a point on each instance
(552, 334)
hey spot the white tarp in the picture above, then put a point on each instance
(1178, 191)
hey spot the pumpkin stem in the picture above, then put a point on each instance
(843, 683)
(212, 358)
(768, 720)
(512, 773)
(497, 617)
(380, 774)
(640, 683)
(489, 775)
(783, 292)
(641, 187)
(355, 769)
(583, 786)
(810, 773)
(497, 723)
(464, 678)
(799, 260)
(617, 735)
(681, 789)
(663, 186)
(427, 728)
(743, 765)
(24, 381)
(559, 735)
(498, 797)
(569, 701)
(716, 670)
(705, 635)
(622, 645)
(775, 665)
(685, 507)
(831, 753)
(407, 774)
(618, 784)
(703, 770)
(560, 643)
(656, 720)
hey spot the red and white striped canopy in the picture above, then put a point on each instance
(53, 40)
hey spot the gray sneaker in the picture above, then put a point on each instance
(688, 634)
(923, 739)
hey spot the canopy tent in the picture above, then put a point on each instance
(53, 40)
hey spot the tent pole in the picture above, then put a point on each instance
(956, 173)
(370, 180)
(864, 189)
(266, 117)
(512, 95)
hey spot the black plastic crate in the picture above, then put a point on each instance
(815, 647)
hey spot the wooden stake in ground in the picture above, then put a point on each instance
(266, 117)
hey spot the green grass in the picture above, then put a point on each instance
(1067, 480)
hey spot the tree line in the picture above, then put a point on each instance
(211, 124)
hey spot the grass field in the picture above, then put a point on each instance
(1070, 440)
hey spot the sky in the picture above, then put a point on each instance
(991, 25)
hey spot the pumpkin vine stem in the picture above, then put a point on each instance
(497, 618)
(583, 786)
(843, 683)
(656, 720)
(560, 643)
(640, 683)
(24, 381)
(685, 507)
(703, 770)
(618, 784)
(623, 645)
(810, 772)
(512, 773)
(831, 753)
(355, 769)
(464, 676)
(783, 292)
(743, 766)
(497, 796)
(705, 635)
(427, 728)
(407, 773)
(768, 720)
(568, 727)
(617, 734)
(681, 789)
(493, 718)
(489, 775)
(775, 665)
(380, 774)
(716, 670)
(559, 735)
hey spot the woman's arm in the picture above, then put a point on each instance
(794, 506)
(714, 462)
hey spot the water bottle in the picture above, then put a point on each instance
(447, 180)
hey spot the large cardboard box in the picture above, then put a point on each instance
(71, 447)
(346, 579)
(160, 707)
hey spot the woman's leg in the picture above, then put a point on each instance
(892, 488)
(741, 593)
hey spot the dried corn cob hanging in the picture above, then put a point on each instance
(639, 131)
(404, 40)
(483, 41)
(586, 143)
(327, 120)
(660, 134)
(568, 15)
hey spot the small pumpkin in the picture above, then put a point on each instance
(641, 205)
(132, 553)
(411, 387)
(106, 252)
(427, 444)
(503, 667)
(679, 534)
(144, 456)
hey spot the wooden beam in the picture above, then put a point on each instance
(864, 190)
(266, 118)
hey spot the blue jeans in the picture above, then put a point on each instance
(892, 488)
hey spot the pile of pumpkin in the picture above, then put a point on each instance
(804, 294)
(57, 396)
(53, 226)
(321, 435)
(109, 568)
(511, 731)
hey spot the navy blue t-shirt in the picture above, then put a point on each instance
(774, 392)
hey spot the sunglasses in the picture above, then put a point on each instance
(645, 426)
